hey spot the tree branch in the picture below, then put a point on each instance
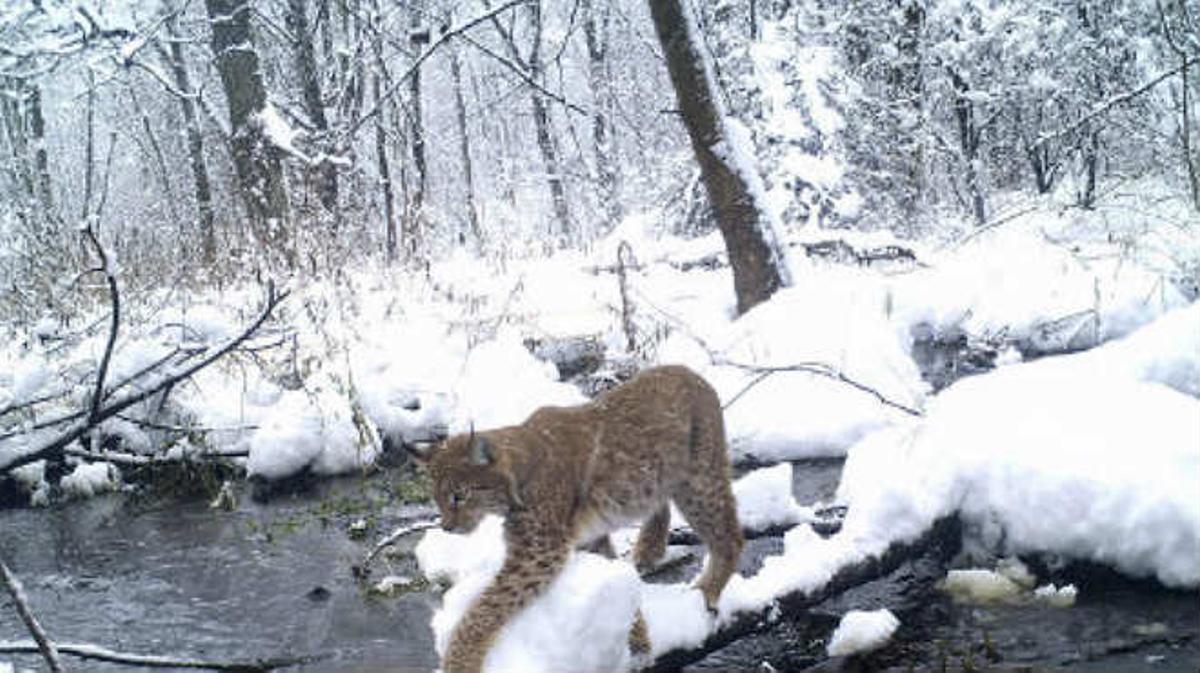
(81, 427)
(1111, 103)
(43, 644)
(114, 322)
(97, 653)
(941, 542)
(442, 39)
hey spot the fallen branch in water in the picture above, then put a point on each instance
(363, 569)
(42, 644)
(98, 653)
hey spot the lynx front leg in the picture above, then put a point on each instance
(526, 573)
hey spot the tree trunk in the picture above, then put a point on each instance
(418, 39)
(754, 255)
(968, 140)
(545, 135)
(381, 155)
(310, 88)
(195, 144)
(258, 164)
(597, 34)
(36, 124)
(464, 146)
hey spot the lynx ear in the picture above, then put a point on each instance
(481, 451)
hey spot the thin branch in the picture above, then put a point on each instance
(97, 653)
(524, 76)
(114, 322)
(364, 568)
(43, 644)
(416, 64)
(25, 404)
(817, 368)
(1111, 103)
(81, 427)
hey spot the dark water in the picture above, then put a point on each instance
(275, 580)
(186, 580)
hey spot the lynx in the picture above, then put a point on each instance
(568, 476)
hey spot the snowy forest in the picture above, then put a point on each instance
(938, 260)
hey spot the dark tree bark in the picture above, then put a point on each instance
(596, 30)
(418, 38)
(758, 269)
(195, 145)
(258, 164)
(381, 154)
(36, 123)
(969, 135)
(464, 145)
(310, 88)
(547, 147)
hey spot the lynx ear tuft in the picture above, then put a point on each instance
(481, 451)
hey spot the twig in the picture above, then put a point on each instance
(98, 653)
(816, 368)
(25, 404)
(364, 568)
(113, 326)
(81, 427)
(445, 37)
(43, 644)
(1113, 102)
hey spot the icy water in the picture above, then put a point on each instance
(275, 580)
(187, 580)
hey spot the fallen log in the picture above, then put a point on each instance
(941, 542)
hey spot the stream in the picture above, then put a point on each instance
(274, 579)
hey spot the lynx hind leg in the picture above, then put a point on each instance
(709, 507)
(652, 540)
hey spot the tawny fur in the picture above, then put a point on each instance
(568, 476)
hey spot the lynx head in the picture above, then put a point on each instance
(471, 477)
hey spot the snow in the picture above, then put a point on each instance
(581, 623)
(1053, 456)
(793, 414)
(764, 499)
(89, 479)
(862, 631)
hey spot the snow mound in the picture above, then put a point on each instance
(302, 432)
(89, 479)
(502, 383)
(580, 624)
(1052, 456)
(844, 326)
(861, 631)
(764, 499)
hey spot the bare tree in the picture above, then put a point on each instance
(257, 162)
(310, 88)
(733, 185)
(201, 183)
(464, 147)
(596, 26)
(531, 64)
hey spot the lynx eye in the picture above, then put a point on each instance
(456, 499)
